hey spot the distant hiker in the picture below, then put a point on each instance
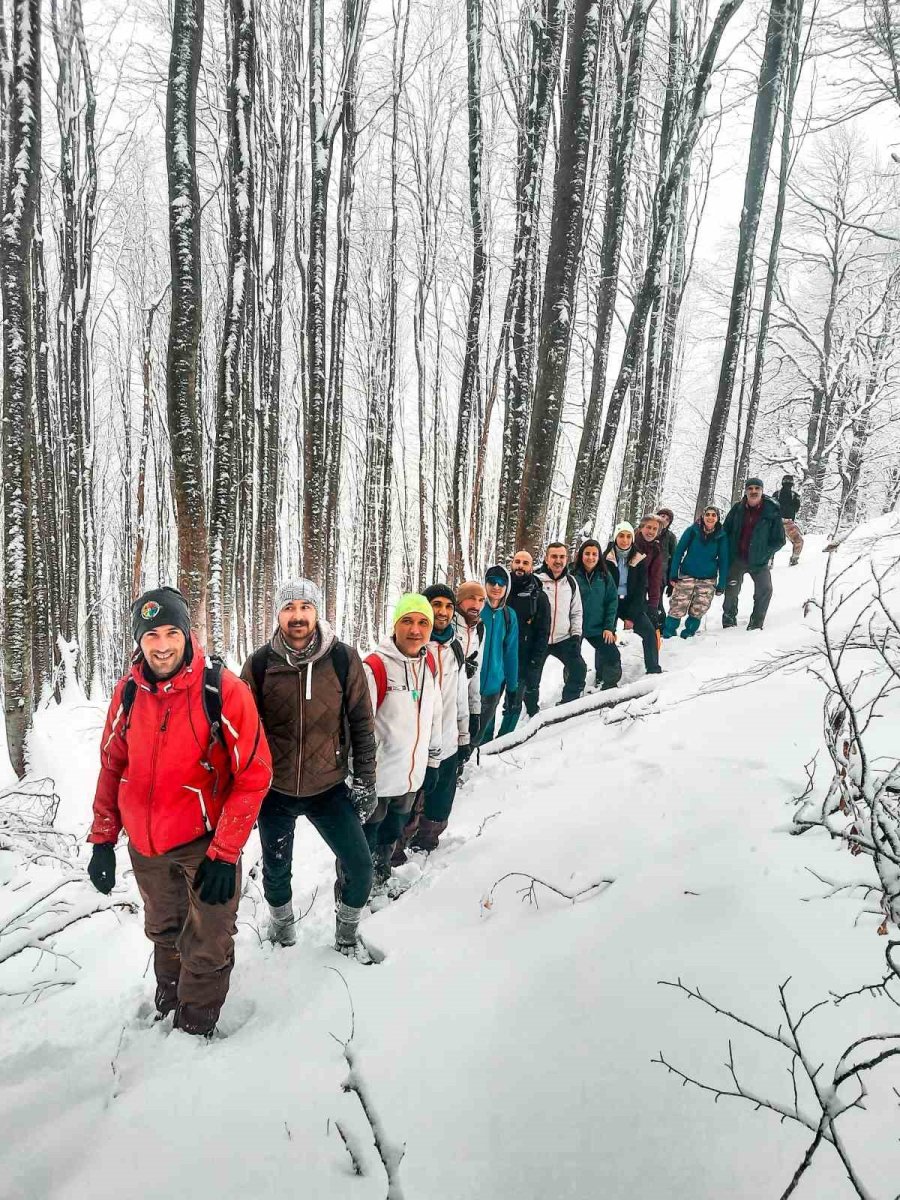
(755, 532)
(629, 570)
(499, 649)
(699, 571)
(565, 618)
(313, 698)
(789, 503)
(409, 717)
(667, 543)
(184, 765)
(431, 811)
(470, 598)
(529, 602)
(600, 607)
(647, 542)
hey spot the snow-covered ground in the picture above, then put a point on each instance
(507, 1045)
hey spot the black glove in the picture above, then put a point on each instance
(464, 754)
(431, 778)
(720, 591)
(102, 867)
(471, 664)
(474, 725)
(364, 799)
(669, 588)
(215, 881)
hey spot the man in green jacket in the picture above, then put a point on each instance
(755, 532)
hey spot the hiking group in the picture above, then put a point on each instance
(371, 750)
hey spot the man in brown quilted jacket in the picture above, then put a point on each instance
(314, 703)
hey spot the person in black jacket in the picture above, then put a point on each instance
(755, 532)
(529, 602)
(789, 503)
(628, 568)
(667, 542)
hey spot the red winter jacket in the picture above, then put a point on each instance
(162, 781)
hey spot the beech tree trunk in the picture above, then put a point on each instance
(22, 136)
(182, 363)
(768, 99)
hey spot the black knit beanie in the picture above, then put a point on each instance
(160, 606)
(440, 591)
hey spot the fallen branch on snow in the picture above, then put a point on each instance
(528, 893)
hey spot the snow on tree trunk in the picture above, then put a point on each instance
(22, 136)
(563, 259)
(623, 129)
(241, 201)
(182, 383)
(768, 99)
(471, 372)
(534, 123)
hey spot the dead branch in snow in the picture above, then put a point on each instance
(489, 817)
(390, 1154)
(351, 1148)
(860, 1057)
(528, 891)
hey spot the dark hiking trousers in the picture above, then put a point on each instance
(193, 942)
(387, 821)
(336, 822)
(430, 813)
(568, 653)
(528, 692)
(607, 662)
(762, 592)
(646, 631)
(486, 718)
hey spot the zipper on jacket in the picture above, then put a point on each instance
(421, 691)
(300, 736)
(156, 745)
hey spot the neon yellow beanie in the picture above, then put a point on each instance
(413, 602)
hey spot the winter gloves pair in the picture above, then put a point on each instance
(214, 882)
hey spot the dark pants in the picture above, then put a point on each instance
(337, 823)
(646, 631)
(430, 813)
(762, 592)
(607, 661)
(574, 667)
(528, 691)
(486, 719)
(193, 942)
(387, 821)
(439, 801)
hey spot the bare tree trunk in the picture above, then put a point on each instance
(22, 136)
(241, 201)
(768, 99)
(182, 384)
(563, 258)
(471, 372)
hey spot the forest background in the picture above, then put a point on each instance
(381, 291)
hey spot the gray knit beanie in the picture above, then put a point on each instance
(297, 589)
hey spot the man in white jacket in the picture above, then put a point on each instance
(402, 677)
(433, 805)
(470, 598)
(565, 618)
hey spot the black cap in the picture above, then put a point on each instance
(440, 591)
(787, 479)
(160, 606)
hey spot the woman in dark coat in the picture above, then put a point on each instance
(629, 571)
(600, 604)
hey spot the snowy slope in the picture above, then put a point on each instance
(507, 1047)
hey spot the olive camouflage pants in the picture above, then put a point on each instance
(692, 596)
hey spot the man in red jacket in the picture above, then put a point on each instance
(186, 787)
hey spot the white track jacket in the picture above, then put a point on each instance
(407, 723)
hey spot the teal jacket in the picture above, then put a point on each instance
(599, 599)
(499, 650)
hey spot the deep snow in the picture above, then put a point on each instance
(508, 1047)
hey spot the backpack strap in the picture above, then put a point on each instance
(432, 665)
(507, 622)
(458, 653)
(212, 697)
(480, 628)
(259, 662)
(129, 691)
(375, 663)
(340, 660)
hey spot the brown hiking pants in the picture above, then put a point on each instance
(693, 596)
(193, 942)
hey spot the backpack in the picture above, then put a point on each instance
(375, 663)
(211, 694)
(340, 660)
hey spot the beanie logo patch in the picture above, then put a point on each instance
(150, 610)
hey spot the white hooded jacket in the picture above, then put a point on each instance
(470, 640)
(566, 612)
(454, 688)
(408, 722)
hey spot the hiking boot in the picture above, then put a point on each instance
(670, 628)
(282, 930)
(166, 997)
(381, 860)
(691, 625)
(198, 1020)
(754, 623)
(729, 622)
(346, 935)
(654, 670)
(427, 835)
(794, 560)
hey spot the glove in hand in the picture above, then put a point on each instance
(102, 867)
(214, 882)
(364, 799)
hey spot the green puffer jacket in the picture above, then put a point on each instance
(599, 599)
